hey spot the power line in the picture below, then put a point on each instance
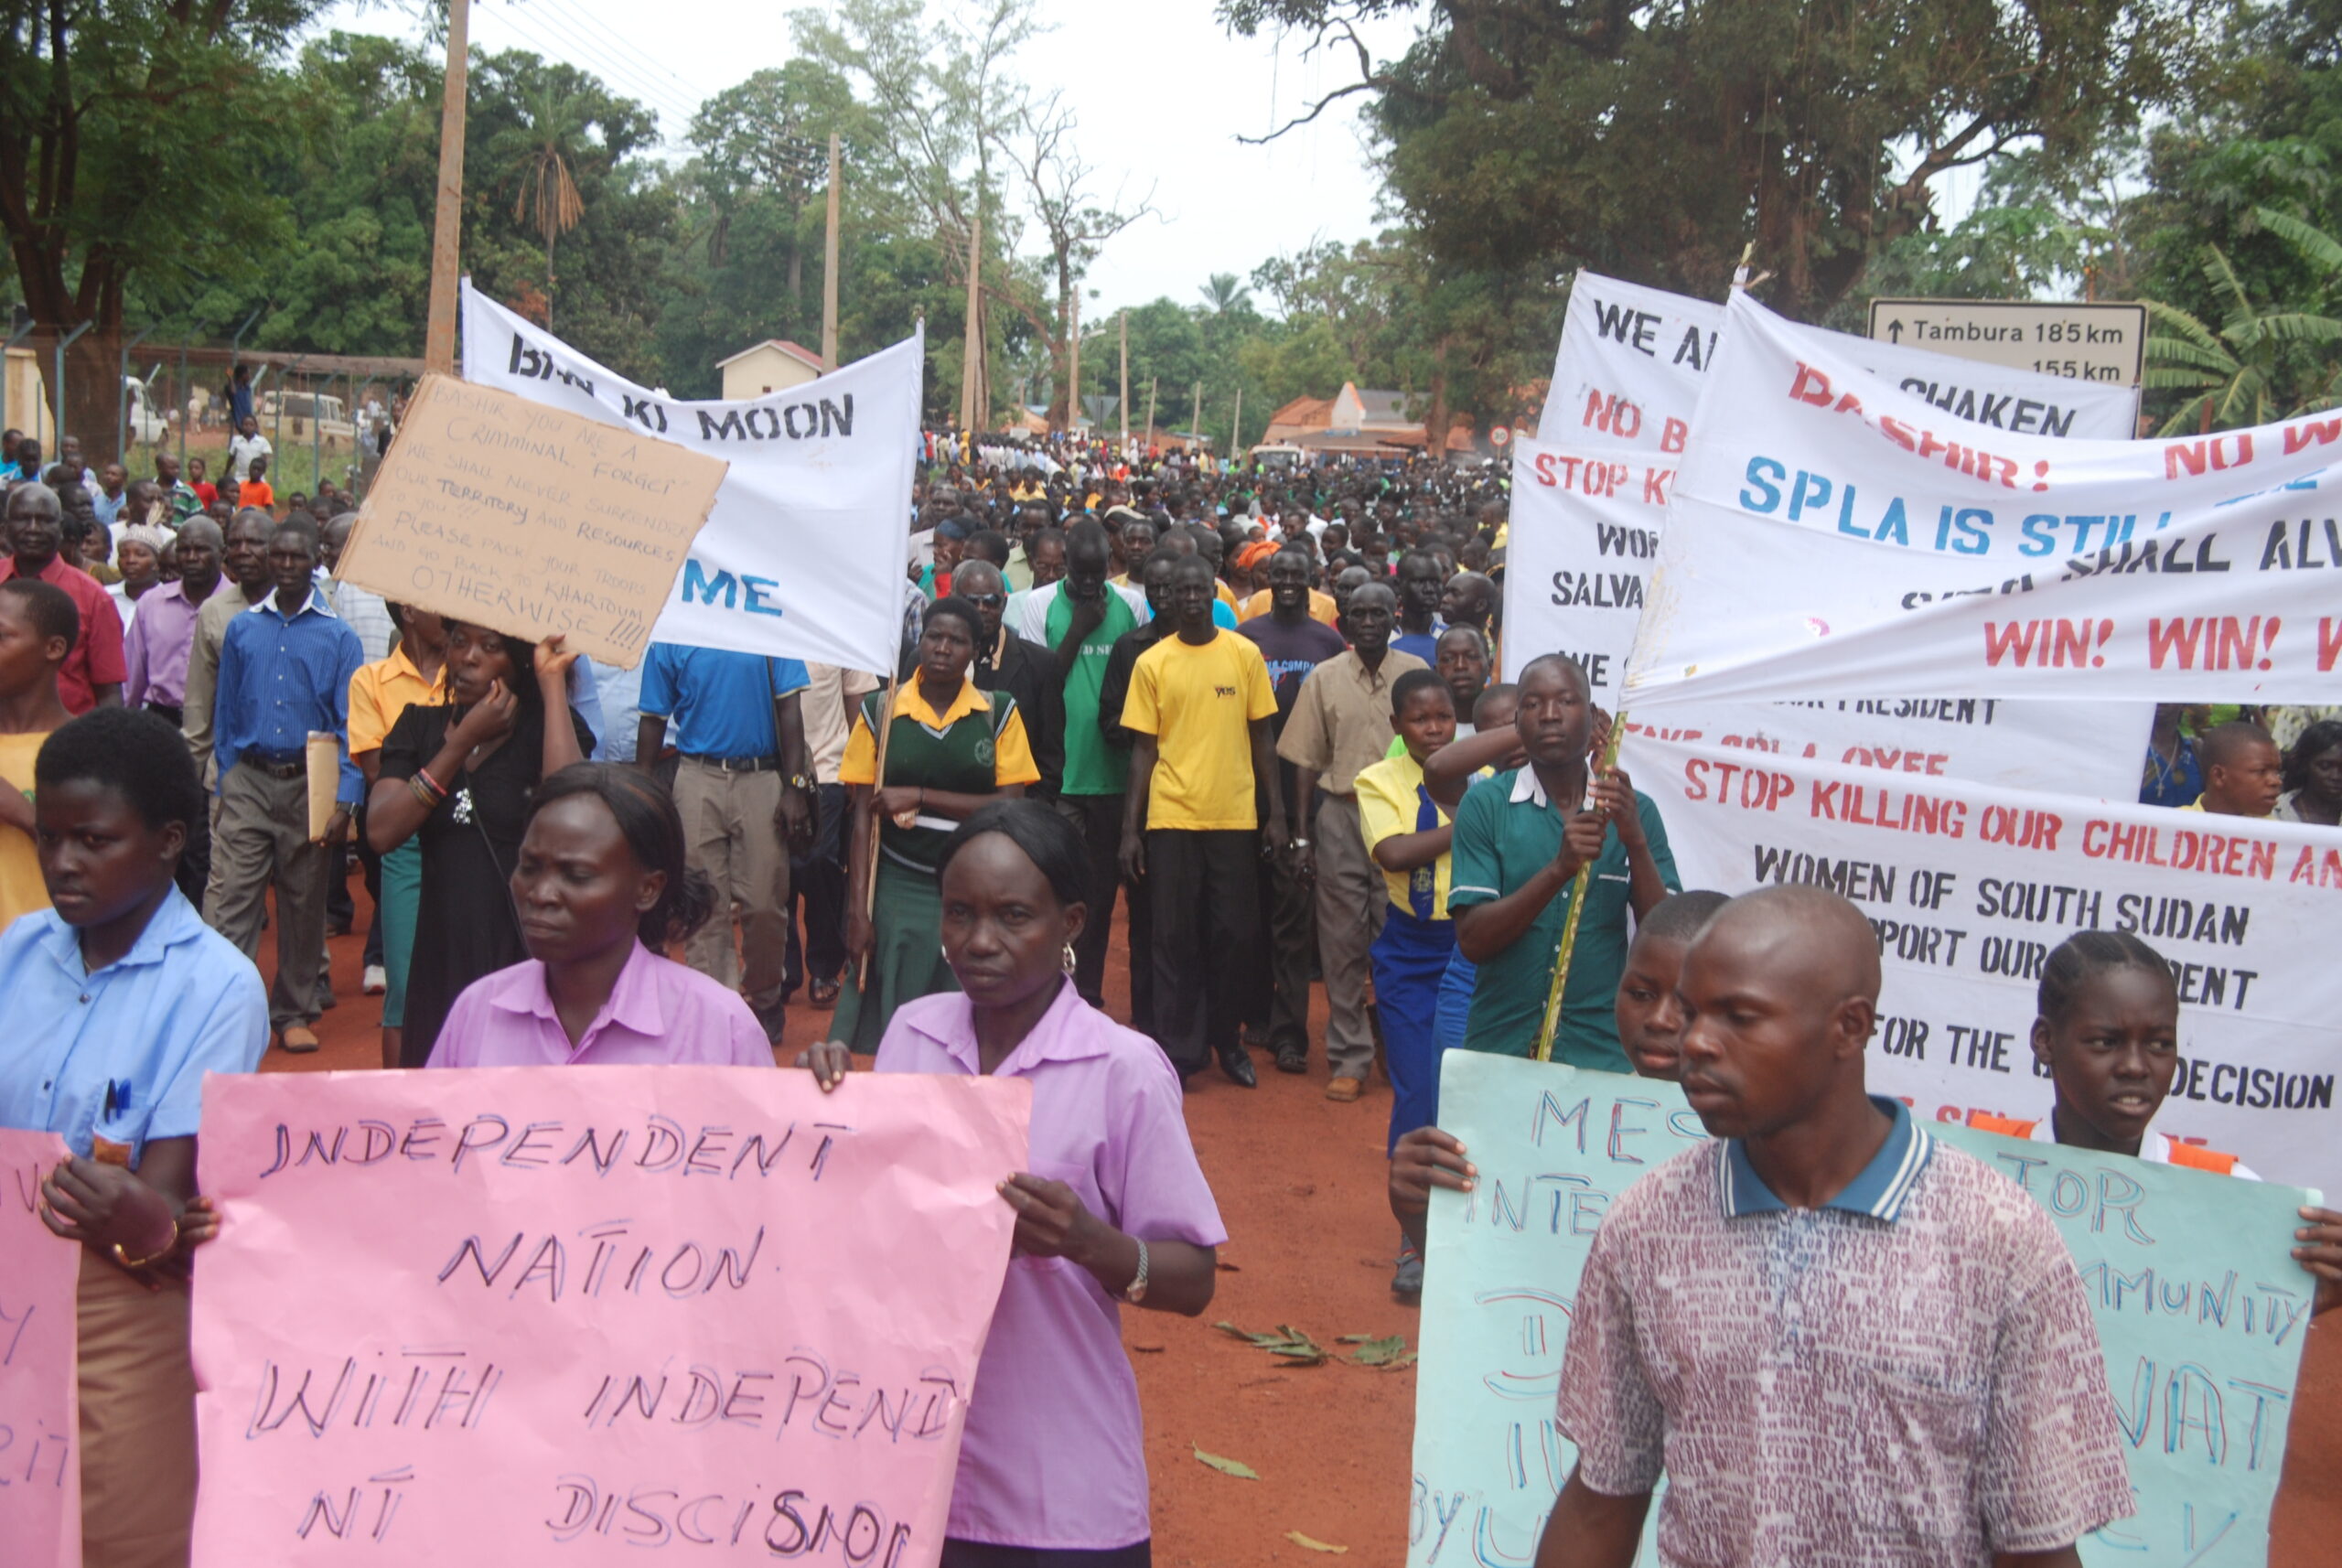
(587, 55)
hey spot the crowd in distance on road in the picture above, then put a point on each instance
(1255, 710)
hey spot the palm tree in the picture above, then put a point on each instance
(549, 193)
(1225, 292)
(2245, 372)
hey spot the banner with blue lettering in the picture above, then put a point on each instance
(803, 554)
(1832, 534)
(2200, 1310)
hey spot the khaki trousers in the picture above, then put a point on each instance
(1352, 898)
(137, 1421)
(261, 839)
(729, 834)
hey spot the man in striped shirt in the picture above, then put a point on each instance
(1846, 1345)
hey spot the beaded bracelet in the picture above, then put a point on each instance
(436, 789)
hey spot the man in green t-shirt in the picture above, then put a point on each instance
(1520, 836)
(1079, 618)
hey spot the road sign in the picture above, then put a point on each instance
(1500, 434)
(2084, 342)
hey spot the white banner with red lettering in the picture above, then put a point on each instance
(1830, 535)
(1968, 887)
(1590, 493)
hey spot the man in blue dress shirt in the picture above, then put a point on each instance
(744, 789)
(284, 670)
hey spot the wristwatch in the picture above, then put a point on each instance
(1135, 1292)
(800, 782)
(1296, 843)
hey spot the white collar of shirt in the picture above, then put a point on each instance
(317, 601)
(1527, 788)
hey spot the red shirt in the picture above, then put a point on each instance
(207, 492)
(96, 659)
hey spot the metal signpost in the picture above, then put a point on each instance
(2082, 342)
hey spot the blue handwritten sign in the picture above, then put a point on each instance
(2199, 1305)
(2201, 1310)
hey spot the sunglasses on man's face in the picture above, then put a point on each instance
(987, 601)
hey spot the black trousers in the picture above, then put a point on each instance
(1204, 887)
(1099, 818)
(1291, 907)
(817, 891)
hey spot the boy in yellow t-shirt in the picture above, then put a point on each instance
(38, 627)
(1201, 706)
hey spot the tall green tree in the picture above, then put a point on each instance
(128, 134)
(2266, 361)
(1654, 142)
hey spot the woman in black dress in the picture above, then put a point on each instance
(459, 775)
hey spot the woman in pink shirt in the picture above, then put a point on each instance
(598, 888)
(1115, 1208)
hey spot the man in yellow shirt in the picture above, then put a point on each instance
(38, 625)
(1199, 708)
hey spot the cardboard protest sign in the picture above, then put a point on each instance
(2202, 1311)
(803, 554)
(1837, 536)
(1968, 887)
(491, 1317)
(40, 1405)
(492, 509)
(2200, 1308)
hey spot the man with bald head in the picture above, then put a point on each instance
(93, 672)
(1844, 1344)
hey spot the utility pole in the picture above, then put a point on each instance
(829, 269)
(971, 362)
(1196, 419)
(448, 215)
(1073, 365)
(1236, 428)
(1122, 401)
(1151, 383)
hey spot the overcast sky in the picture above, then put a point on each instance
(1161, 90)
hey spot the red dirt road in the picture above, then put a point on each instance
(1300, 1185)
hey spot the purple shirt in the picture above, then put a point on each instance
(1053, 1456)
(156, 648)
(660, 1014)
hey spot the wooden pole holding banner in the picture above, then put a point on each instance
(1123, 402)
(447, 214)
(830, 268)
(974, 403)
(1578, 885)
(868, 892)
(1153, 383)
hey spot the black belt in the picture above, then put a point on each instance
(276, 764)
(738, 764)
(175, 713)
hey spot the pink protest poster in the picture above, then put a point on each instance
(40, 1409)
(486, 1318)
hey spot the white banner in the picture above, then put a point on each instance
(1837, 536)
(1589, 494)
(1968, 887)
(803, 554)
(2094, 749)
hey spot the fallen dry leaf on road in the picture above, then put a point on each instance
(1314, 1545)
(1148, 1350)
(1237, 1468)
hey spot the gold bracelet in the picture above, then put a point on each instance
(127, 1261)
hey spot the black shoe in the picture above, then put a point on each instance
(1293, 1059)
(1407, 1283)
(1238, 1067)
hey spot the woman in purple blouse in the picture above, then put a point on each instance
(1115, 1208)
(598, 888)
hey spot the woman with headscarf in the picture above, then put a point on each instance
(139, 555)
(457, 775)
(951, 749)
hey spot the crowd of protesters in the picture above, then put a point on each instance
(1256, 710)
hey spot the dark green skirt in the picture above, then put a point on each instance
(906, 957)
